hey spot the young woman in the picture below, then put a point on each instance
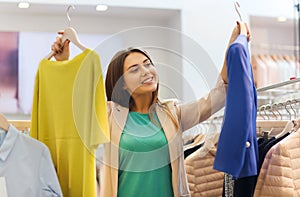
(145, 154)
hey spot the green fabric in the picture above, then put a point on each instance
(144, 161)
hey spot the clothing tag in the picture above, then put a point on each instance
(3, 192)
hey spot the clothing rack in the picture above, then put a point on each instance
(281, 107)
(278, 85)
(272, 120)
(280, 92)
(275, 107)
(275, 47)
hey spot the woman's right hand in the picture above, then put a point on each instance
(240, 29)
(61, 50)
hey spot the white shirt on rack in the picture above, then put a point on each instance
(26, 165)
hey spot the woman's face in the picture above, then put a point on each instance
(140, 75)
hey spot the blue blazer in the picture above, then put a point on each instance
(239, 124)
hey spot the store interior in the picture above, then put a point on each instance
(187, 41)
(163, 27)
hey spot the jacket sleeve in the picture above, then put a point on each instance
(232, 155)
(89, 103)
(193, 113)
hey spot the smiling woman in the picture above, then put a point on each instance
(140, 79)
(137, 78)
(145, 152)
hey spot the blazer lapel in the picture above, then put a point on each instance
(119, 117)
(174, 139)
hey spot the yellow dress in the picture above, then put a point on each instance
(69, 116)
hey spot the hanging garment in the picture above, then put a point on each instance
(189, 151)
(272, 69)
(203, 180)
(285, 70)
(197, 143)
(69, 115)
(263, 150)
(260, 71)
(279, 175)
(243, 187)
(237, 152)
(26, 165)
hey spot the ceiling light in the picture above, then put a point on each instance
(23, 5)
(281, 19)
(101, 7)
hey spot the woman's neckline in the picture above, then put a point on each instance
(135, 112)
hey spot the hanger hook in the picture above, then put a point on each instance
(68, 15)
(272, 110)
(287, 103)
(275, 107)
(268, 108)
(238, 9)
(259, 112)
(293, 102)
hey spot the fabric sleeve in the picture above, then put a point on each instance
(195, 112)
(237, 122)
(100, 106)
(89, 103)
(49, 184)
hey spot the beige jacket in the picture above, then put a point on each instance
(280, 172)
(188, 115)
(203, 180)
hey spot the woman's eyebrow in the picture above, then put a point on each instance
(132, 66)
(137, 64)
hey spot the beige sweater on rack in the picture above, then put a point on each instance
(280, 172)
(203, 180)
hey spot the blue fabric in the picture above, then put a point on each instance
(239, 123)
(27, 167)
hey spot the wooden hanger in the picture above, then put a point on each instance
(276, 57)
(288, 128)
(69, 34)
(21, 125)
(3, 123)
(273, 127)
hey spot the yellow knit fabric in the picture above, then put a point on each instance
(69, 116)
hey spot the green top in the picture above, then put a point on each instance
(144, 160)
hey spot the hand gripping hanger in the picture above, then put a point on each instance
(69, 34)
